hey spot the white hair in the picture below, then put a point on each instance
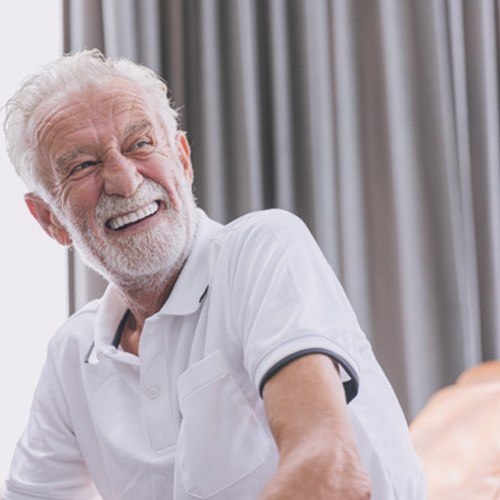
(68, 74)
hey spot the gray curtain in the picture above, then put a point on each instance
(376, 121)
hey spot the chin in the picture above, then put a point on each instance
(144, 257)
(144, 261)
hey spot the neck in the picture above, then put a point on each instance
(146, 295)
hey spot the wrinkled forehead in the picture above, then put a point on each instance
(90, 115)
(110, 97)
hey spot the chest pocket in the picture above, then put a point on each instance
(221, 440)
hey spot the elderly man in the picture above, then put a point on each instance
(222, 362)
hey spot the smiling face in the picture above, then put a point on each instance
(121, 189)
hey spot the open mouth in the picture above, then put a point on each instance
(123, 221)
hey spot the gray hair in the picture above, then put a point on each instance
(63, 76)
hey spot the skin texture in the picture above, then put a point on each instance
(306, 409)
(105, 154)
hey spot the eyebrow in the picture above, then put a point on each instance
(138, 126)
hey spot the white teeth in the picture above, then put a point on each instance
(142, 213)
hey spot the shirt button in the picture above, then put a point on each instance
(153, 392)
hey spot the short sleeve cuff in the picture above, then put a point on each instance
(296, 348)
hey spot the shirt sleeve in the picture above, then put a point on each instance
(47, 463)
(287, 301)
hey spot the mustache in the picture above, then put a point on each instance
(112, 205)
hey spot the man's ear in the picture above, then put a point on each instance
(185, 154)
(42, 212)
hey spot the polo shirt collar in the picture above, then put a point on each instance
(190, 287)
(185, 298)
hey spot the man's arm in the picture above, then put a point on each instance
(307, 414)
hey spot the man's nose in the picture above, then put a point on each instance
(120, 176)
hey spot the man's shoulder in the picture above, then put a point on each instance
(275, 221)
(252, 238)
(268, 216)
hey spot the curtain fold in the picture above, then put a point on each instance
(376, 122)
(482, 62)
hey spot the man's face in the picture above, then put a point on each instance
(121, 191)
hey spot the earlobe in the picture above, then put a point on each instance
(185, 154)
(42, 212)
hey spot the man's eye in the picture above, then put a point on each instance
(143, 143)
(82, 166)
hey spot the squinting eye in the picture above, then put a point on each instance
(82, 166)
(141, 144)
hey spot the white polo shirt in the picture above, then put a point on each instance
(185, 419)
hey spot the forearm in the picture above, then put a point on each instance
(308, 417)
(319, 474)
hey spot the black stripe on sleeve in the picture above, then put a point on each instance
(351, 386)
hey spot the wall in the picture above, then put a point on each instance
(33, 281)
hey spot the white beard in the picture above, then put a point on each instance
(146, 255)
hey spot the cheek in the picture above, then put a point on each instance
(80, 202)
(180, 186)
(164, 173)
